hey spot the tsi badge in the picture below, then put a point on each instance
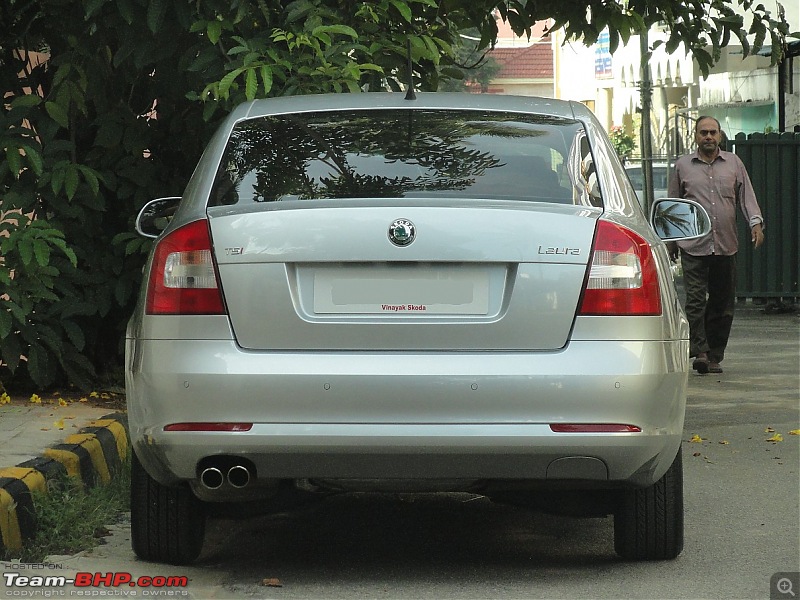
(402, 232)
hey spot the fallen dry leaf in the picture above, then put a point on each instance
(59, 424)
(724, 442)
(794, 432)
(271, 582)
(697, 454)
(775, 438)
(696, 439)
(769, 430)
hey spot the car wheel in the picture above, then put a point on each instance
(167, 524)
(648, 523)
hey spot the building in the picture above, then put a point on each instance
(526, 66)
(743, 93)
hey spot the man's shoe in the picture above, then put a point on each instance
(714, 367)
(700, 363)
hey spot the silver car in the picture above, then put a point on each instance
(660, 179)
(363, 292)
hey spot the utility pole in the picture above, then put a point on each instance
(646, 141)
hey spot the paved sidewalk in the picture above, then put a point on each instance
(42, 441)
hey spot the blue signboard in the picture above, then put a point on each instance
(602, 57)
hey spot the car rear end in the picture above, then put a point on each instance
(364, 292)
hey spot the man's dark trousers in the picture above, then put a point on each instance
(710, 301)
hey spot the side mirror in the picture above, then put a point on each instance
(676, 219)
(155, 216)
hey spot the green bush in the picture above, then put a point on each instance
(623, 143)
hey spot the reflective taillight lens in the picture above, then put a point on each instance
(183, 279)
(623, 279)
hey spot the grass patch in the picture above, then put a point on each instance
(72, 519)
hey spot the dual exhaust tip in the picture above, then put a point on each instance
(237, 476)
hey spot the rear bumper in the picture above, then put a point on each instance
(410, 416)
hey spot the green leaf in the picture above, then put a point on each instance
(403, 8)
(14, 160)
(57, 113)
(50, 338)
(155, 14)
(266, 79)
(214, 31)
(19, 313)
(11, 351)
(81, 372)
(90, 178)
(126, 10)
(26, 101)
(25, 248)
(42, 252)
(71, 182)
(74, 333)
(34, 158)
(61, 74)
(227, 81)
(127, 48)
(57, 179)
(5, 322)
(91, 7)
(340, 29)
(38, 365)
(298, 10)
(251, 84)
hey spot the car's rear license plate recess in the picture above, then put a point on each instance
(401, 289)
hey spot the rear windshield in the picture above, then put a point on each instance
(407, 153)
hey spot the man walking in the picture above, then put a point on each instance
(718, 181)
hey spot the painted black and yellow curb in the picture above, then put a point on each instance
(92, 455)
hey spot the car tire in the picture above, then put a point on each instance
(167, 524)
(648, 522)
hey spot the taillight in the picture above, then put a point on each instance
(622, 275)
(183, 279)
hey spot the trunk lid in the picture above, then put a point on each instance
(477, 277)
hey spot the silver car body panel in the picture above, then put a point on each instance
(471, 280)
(337, 389)
(333, 407)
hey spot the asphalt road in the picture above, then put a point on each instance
(742, 519)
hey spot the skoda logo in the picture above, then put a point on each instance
(402, 232)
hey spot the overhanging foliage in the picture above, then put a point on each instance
(118, 109)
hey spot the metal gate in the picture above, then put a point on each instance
(773, 162)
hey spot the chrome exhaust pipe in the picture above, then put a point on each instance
(212, 478)
(238, 476)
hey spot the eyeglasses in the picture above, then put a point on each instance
(708, 132)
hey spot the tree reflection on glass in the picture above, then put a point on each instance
(673, 219)
(396, 154)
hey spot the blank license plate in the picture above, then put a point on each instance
(401, 290)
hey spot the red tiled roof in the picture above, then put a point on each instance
(533, 62)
